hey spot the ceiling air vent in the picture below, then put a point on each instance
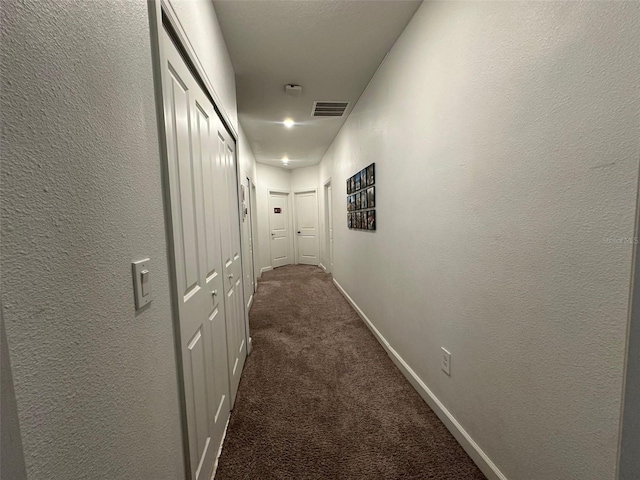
(329, 109)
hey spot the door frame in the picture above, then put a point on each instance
(251, 214)
(252, 267)
(328, 219)
(295, 218)
(163, 17)
(254, 227)
(289, 222)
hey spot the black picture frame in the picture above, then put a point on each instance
(371, 197)
(371, 220)
(371, 174)
(361, 199)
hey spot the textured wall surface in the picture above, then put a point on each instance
(505, 136)
(245, 156)
(199, 20)
(303, 178)
(95, 382)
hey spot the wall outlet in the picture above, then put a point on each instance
(446, 361)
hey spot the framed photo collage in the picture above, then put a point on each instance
(361, 199)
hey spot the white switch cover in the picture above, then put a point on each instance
(446, 361)
(141, 282)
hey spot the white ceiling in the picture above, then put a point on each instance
(330, 47)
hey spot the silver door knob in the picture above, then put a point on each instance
(230, 276)
(214, 293)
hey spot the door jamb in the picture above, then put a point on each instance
(158, 57)
(254, 226)
(326, 239)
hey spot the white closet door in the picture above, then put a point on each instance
(191, 124)
(232, 259)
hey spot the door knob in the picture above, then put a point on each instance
(273, 234)
(230, 276)
(298, 232)
(214, 293)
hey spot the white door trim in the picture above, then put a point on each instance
(294, 215)
(254, 227)
(326, 227)
(158, 61)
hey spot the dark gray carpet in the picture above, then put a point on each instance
(320, 399)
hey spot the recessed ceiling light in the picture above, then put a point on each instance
(285, 160)
(288, 123)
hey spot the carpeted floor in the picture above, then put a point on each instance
(320, 399)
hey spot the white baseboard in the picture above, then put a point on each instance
(322, 267)
(480, 458)
(265, 269)
(250, 303)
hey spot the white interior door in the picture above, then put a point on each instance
(191, 128)
(279, 225)
(306, 225)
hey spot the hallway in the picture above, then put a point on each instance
(320, 398)
(319, 239)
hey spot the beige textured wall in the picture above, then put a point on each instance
(95, 381)
(505, 136)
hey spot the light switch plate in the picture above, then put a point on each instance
(141, 271)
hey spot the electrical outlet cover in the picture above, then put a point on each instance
(446, 361)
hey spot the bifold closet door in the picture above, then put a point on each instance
(232, 260)
(194, 188)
